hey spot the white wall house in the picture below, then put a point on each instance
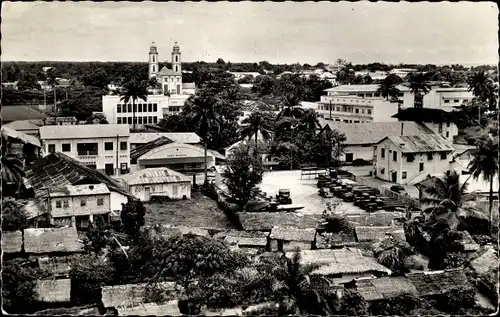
(159, 182)
(446, 99)
(104, 147)
(409, 159)
(354, 109)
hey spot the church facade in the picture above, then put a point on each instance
(169, 79)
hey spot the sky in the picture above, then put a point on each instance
(286, 32)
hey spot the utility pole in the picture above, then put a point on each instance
(330, 110)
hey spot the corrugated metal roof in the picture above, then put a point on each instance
(372, 132)
(421, 143)
(142, 149)
(14, 113)
(158, 175)
(53, 291)
(90, 131)
(79, 190)
(179, 137)
(20, 125)
(20, 136)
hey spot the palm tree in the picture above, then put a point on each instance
(12, 175)
(484, 88)
(206, 117)
(133, 90)
(309, 121)
(290, 103)
(485, 163)
(253, 124)
(419, 87)
(447, 197)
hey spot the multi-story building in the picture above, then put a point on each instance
(76, 205)
(446, 99)
(409, 159)
(437, 120)
(355, 104)
(151, 111)
(104, 147)
(169, 79)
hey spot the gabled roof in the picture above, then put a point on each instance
(87, 131)
(372, 132)
(179, 137)
(142, 149)
(25, 138)
(79, 190)
(424, 115)
(48, 240)
(159, 175)
(421, 143)
(58, 169)
(21, 125)
(362, 88)
(170, 308)
(14, 113)
(168, 72)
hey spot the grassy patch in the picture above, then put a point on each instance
(199, 211)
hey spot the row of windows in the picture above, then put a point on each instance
(137, 120)
(166, 79)
(411, 157)
(348, 109)
(83, 203)
(456, 100)
(66, 147)
(146, 107)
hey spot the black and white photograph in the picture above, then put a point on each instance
(250, 158)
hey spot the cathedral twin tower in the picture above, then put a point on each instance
(154, 66)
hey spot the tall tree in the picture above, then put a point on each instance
(387, 87)
(134, 90)
(254, 124)
(483, 86)
(419, 87)
(485, 163)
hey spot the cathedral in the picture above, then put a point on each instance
(169, 79)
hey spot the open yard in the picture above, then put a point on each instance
(199, 211)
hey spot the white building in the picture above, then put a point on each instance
(170, 79)
(159, 182)
(446, 99)
(104, 147)
(240, 75)
(402, 72)
(362, 137)
(151, 111)
(376, 75)
(409, 159)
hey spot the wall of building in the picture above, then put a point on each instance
(110, 108)
(289, 246)
(102, 157)
(439, 98)
(74, 205)
(412, 169)
(364, 152)
(447, 130)
(172, 190)
(355, 109)
(116, 201)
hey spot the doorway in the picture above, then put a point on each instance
(349, 157)
(395, 177)
(147, 193)
(109, 169)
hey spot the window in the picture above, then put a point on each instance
(369, 111)
(362, 110)
(403, 175)
(109, 169)
(155, 119)
(139, 120)
(382, 170)
(155, 107)
(150, 119)
(100, 201)
(123, 168)
(443, 155)
(66, 204)
(448, 124)
(410, 158)
(456, 101)
(83, 203)
(108, 146)
(123, 146)
(421, 167)
(440, 129)
(153, 59)
(119, 120)
(129, 119)
(176, 68)
(447, 101)
(58, 204)
(447, 134)
(338, 108)
(395, 156)
(66, 147)
(429, 156)
(124, 108)
(119, 108)
(176, 58)
(129, 108)
(382, 153)
(135, 120)
(135, 108)
(357, 110)
(139, 108)
(150, 107)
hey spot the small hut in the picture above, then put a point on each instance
(288, 238)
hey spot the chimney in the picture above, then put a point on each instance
(91, 187)
(402, 128)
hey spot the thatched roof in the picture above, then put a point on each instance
(48, 240)
(265, 221)
(292, 234)
(376, 233)
(128, 295)
(170, 308)
(340, 261)
(379, 218)
(384, 287)
(12, 241)
(440, 282)
(328, 240)
(53, 291)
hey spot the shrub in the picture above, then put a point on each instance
(456, 300)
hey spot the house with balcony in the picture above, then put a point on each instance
(408, 159)
(104, 147)
(77, 205)
(362, 137)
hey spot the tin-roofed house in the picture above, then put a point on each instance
(288, 238)
(77, 205)
(158, 182)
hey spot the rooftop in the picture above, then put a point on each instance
(166, 231)
(486, 262)
(57, 169)
(142, 149)
(179, 137)
(21, 125)
(168, 72)
(361, 88)
(79, 190)
(421, 143)
(132, 294)
(293, 234)
(87, 131)
(424, 115)
(372, 132)
(265, 221)
(48, 240)
(188, 86)
(159, 175)
(12, 241)
(376, 233)
(14, 113)
(25, 138)
(170, 308)
(379, 218)
(53, 291)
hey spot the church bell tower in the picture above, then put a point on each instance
(176, 58)
(153, 60)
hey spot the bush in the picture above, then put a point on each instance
(457, 300)
(400, 305)
(353, 304)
